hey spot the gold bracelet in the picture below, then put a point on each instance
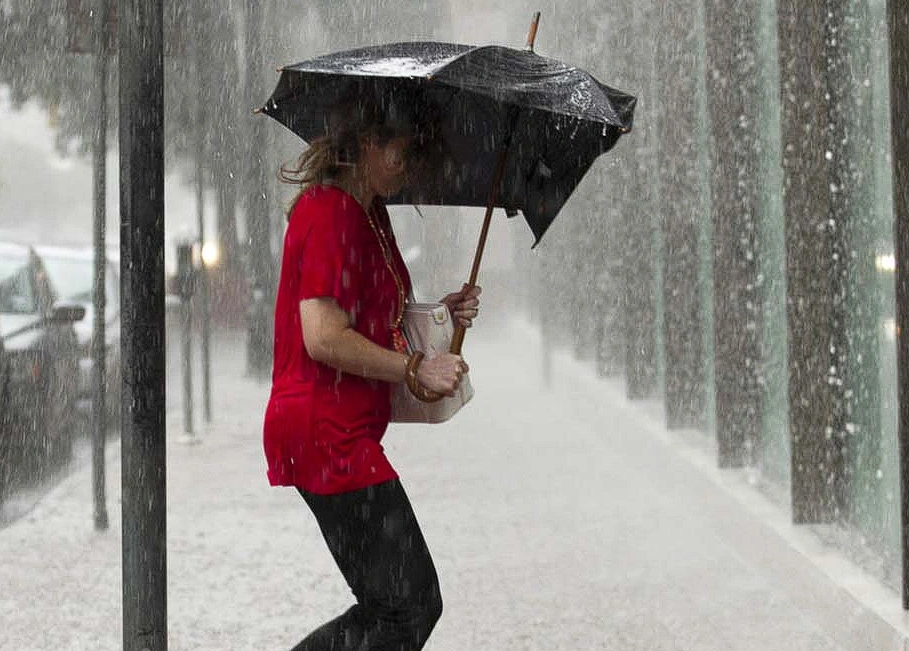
(410, 376)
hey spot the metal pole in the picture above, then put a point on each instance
(99, 343)
(141, 63)
(187, 310)
(898, 17)
(205, 307)
(186, 276)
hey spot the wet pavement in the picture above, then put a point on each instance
(559, 518)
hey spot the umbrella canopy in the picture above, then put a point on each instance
(468, 104)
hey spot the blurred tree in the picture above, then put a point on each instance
(223, 86)
(635, 34)
(259, 256)
(602, 33)
(681, 203)
(732, 92)
(37, 62)
(54, 69)
(815, 263)
(897, 21)
(851, 169)
(211, 26)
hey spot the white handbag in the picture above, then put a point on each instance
(427, 327)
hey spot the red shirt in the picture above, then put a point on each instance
(323, 427)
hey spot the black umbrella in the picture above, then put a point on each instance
(500, 127)
(557, 118)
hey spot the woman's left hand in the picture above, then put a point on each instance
(464, 305)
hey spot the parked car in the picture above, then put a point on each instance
(72, 272)
(42, 357)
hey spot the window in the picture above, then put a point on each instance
(73, 279)
(17, 292)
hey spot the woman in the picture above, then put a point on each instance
(337, 353)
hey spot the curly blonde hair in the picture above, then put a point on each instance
(350, 123)
(316, 165)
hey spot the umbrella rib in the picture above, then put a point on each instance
(510, 104)
(432, 76)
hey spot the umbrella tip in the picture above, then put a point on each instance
(256, 111)
(532, 35)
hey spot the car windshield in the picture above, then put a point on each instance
(73, 279)
(17, 295)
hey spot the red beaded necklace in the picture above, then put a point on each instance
(399, 343)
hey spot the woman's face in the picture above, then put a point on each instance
(385, 165)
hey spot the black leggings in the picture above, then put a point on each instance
(376, 541)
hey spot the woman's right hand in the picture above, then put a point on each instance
(442, 373)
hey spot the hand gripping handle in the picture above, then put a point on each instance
(422, 393)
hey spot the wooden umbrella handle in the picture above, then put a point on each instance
(457, 340)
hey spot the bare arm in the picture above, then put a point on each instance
(330, 339)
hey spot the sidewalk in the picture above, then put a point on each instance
(563, 519)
